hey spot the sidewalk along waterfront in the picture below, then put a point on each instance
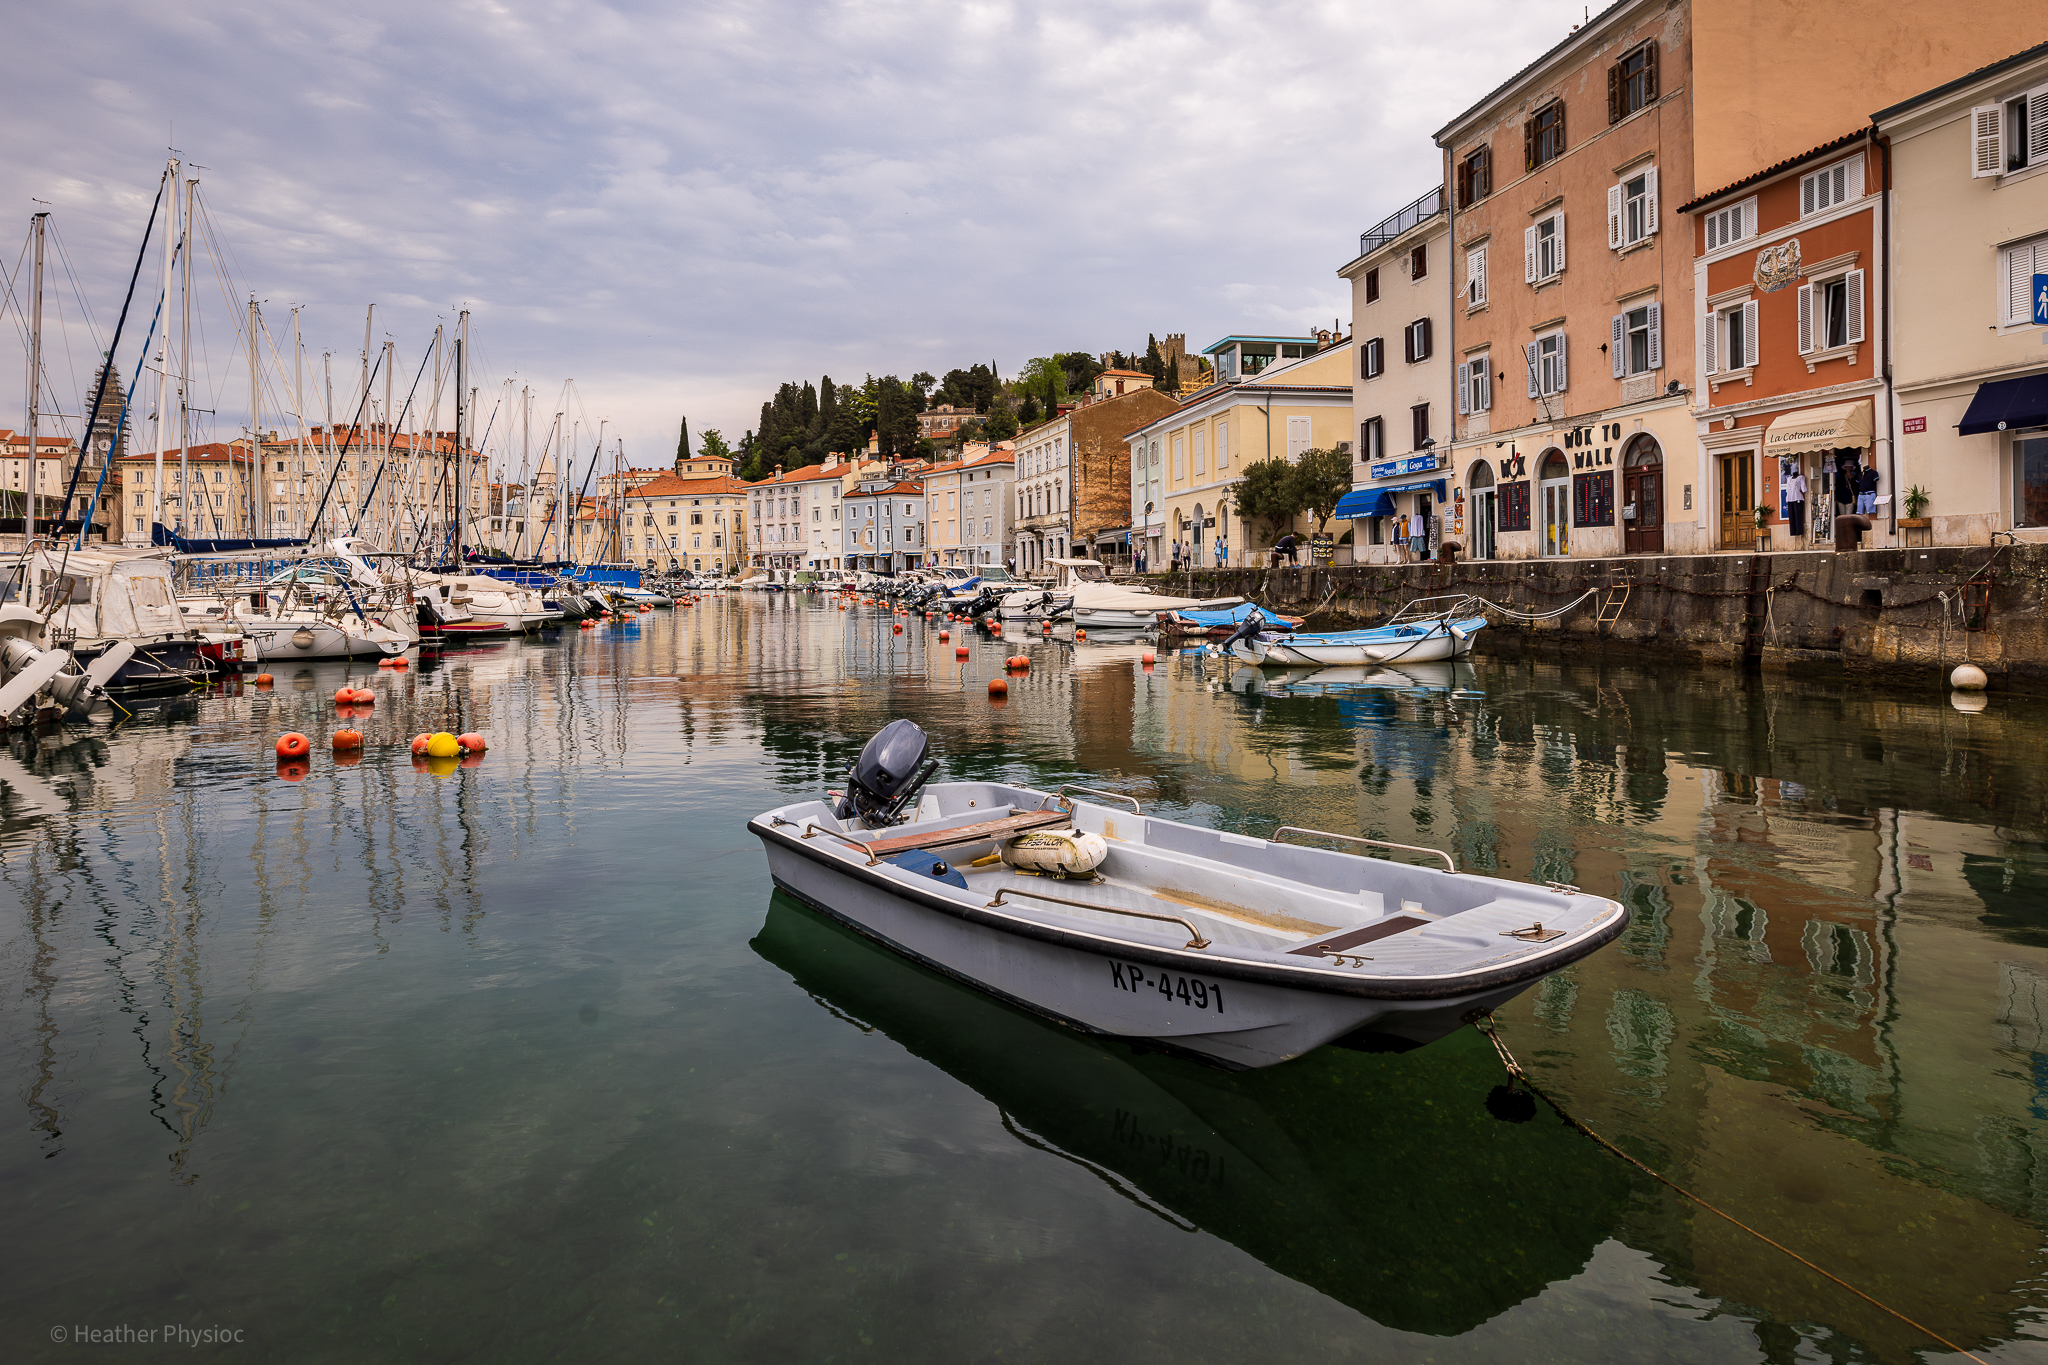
(1904, 616)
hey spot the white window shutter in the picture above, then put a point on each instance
(1852, 291)
(1480, 258)
(1987, 141)
(1656, 336)
(1614, 203)
(1561, 381)
(1620, 346)
(1854, 189)
(1805, 319)
(1560, 241)
(2037, 126)
(1529, 254)
(1710, 338)
(1650, 201)
(1749, 218)
(1808, 186)
(1529, 354)
(2019, 284)
(1750, 340)
(1482, 384)
(1464, 378)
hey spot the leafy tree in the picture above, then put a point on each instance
(712, 446)
(1321, 478)
(922, 382)
(1078, 370)
(895, 417)
(1268, 495)
(1002, 418)
(1029, 414)
(1052, 396)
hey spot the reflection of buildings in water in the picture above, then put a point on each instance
(1361, 1176)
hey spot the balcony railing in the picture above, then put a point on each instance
(1423, 209)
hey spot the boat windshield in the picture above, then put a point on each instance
(1086, 573)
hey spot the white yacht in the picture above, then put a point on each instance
(1099, 604)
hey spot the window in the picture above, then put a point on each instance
(1543, 135)
(1638, 341)
(1632, 85)
(1419, 415)
(2017, 266)
(1372, 358)
(2030, 482)
(1475, 277)
(2009, 136)
(1632, 210)
(1372, 439)
(1733, 224)
(1300, 436)
(1593, 499)
(1475, 385)
(1418, 262)
(1831, 312)
(1475, 176)
(1223, 445)
(1731, 338)
(1546, 356)
(1831, 185)
(1201, 452)
(1514, 506)
(1415, 341)
(1372, 285)
(1543, 249)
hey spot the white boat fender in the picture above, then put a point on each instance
(1057, 852)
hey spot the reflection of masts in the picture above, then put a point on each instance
(42, 971)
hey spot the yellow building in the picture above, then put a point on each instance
(688, 522)
(1277, 397)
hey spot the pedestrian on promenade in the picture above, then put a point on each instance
(1222, 552)
(1866, 490)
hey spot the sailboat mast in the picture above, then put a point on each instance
(163, 347)
(525, 466)
(461, 402)
(35, 381)
(390, 351)
(255, 412)
(299, 389)
(185, 373)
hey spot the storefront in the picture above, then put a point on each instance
(1816, 466)
(1404, 520)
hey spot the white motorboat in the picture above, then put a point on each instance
(1241, 950)
(1102, 605)
(1410, 642)
(93, 604)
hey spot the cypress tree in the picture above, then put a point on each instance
(683, 445)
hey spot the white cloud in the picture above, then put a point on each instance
(681, 205)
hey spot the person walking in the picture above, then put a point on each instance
(1222, 552)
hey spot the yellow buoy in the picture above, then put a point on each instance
(443, 745)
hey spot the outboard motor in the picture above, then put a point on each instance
(1251, 626)
(887, 776)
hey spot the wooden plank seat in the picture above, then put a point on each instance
(980, 833)
(1352, 938)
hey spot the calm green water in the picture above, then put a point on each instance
(530, 1063)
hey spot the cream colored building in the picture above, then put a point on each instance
(693, 523)
(1401, 283)
(1184, 464)
(1968, 320)
(1044, 492)
(968, 508)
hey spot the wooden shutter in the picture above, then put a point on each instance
(1562, 382)
(1482, 180)
(1425, 338)
(1656, 336)
(2037, 126)
(1748, 228)
(1529, 354)
(1710, 338)
(1464, 396)
(1529, 145)
(1650, 73)
(1614, 93)
(1464, 184)
(1805, 319)
(1529, 255)
(1620, 345)
(1615, 203)
(1650, 201)
(1751, 343)
(1852, 304)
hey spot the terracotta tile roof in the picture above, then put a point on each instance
(903, 489)
(675, 486)
(1776, 168)
(212, 450)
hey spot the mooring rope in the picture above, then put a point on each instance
(1484, 1023)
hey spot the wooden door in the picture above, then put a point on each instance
(1738, 502)
(1643, 487)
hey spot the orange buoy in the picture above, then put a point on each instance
(584, 626)
(1146, 657)
(1080, 635)
(998, 688)
(365, 697)
(293, 769)
(472, 741)
(344, 695)
(293, 745)
(419, 743)
(1047, 627)
(1020, 662)
(899, 630)
(348, 739)
(960, 652)
(945, 635)
(399, 661)
(384, 662)
(264, 680)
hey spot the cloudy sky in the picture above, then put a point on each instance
(679, 205)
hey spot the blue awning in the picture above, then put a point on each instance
(1363, 502)
(2006, 405)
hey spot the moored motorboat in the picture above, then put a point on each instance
(1241, 950)
(1098, 604)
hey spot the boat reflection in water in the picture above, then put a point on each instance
(1381, 1180)
(1443, 676)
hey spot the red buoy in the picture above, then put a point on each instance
(960, 652)
(293, 745)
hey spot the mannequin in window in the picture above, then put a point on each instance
(1846, 473)
(1866, 491)
(1794, 484)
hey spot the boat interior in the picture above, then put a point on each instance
(1244, 895)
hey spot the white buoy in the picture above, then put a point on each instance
(1967, 678)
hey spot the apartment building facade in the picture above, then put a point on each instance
(693, 522)
(969, 509)
(1787, 282)
(793, 517)
(1043, 489)
(884, 526)
(1400, 308)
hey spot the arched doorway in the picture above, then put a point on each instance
(1485, 510)
(1642, 497)
(1554, 497)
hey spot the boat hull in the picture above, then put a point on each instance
(273, 642)
(1109, 986)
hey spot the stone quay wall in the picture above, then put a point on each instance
(1888, 615)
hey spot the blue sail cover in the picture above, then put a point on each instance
(163, 535)
(1233, 616)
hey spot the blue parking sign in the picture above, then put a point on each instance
(2041, 300)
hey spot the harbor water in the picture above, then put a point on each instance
(528, 1061)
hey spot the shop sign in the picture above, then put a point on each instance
(1915, 424)
(1413, 464)
(1322, 548)
(2041, 300)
